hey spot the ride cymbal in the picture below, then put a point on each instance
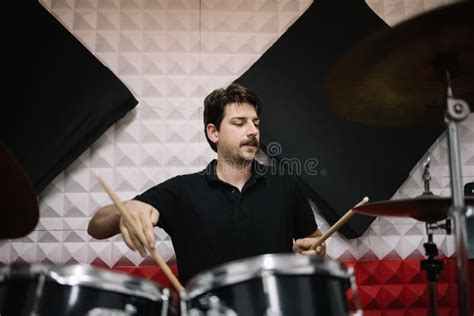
(397, 77)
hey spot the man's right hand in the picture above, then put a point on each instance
(146, 217)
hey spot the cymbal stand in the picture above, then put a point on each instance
(431, 265)
(457, 111)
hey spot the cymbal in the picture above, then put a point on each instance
(423, 208)
(20, 211)
(397, 76)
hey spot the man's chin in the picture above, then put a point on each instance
(248, 156)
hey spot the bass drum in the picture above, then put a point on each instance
(60, 290)
(273, 284)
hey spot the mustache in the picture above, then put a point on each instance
(251, 142)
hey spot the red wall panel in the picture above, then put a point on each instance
(386, 287)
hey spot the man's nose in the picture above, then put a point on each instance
(252, 129)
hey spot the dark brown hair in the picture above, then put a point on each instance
(216, 102)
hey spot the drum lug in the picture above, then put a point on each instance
(355, 293)
(271, 290)
(184, 303)
(38, 292)
(130, 310)
(165, 298)
(217, 308)
(212, 306)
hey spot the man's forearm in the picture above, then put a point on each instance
(105, 223)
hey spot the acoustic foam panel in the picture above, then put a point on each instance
(68, 98)
(341, 162)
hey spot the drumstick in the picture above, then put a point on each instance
(338, 224)
(125, 213)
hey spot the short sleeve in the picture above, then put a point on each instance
(304, 223)
(165, 197)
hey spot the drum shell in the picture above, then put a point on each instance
(297, 295)
(319, 292)
(20, 284)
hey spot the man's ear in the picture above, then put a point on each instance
(212, 133)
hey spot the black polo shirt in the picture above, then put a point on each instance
(211, 222)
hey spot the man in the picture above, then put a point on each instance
(235, 208)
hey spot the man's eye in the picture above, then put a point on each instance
(239, 124)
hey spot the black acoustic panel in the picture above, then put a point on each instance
(64, 99)
(358, 160)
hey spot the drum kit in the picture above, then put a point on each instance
(409, 74)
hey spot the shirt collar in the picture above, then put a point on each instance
(258, 171)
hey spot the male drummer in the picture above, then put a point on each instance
(235, 208)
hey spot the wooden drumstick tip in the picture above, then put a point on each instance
(338, 224)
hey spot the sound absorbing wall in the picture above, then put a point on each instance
(341, 162)
(68, 98)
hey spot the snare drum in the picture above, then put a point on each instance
(273, 284)
(78, 290)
